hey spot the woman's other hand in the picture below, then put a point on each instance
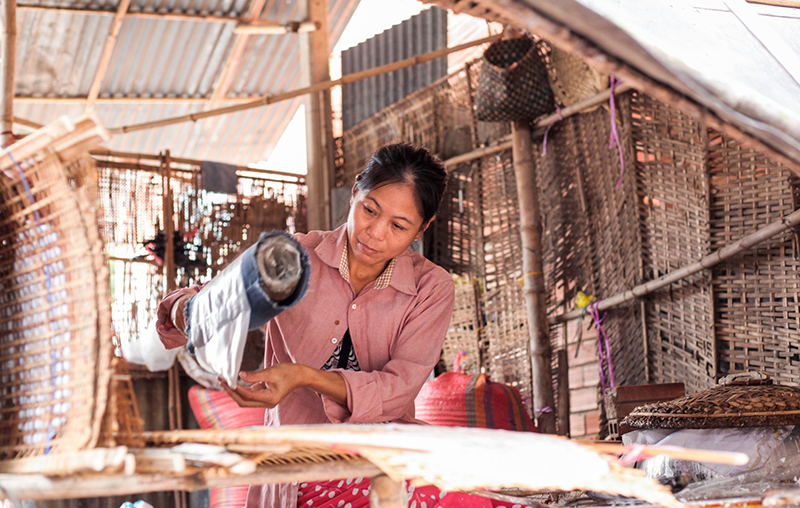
(268, 386)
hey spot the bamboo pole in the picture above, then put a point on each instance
(786, 223)
(272, 99)
(533, 278)
(130, 100)
(258, 28)
(39, 487)
(102, 152)
(9, 72)
(505, 142)
(27, 123)
(105, 56)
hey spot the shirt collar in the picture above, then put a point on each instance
(399, 273)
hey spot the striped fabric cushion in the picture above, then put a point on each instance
(214, 409)
(458, 400)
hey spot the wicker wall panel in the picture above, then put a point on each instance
(505, 340)
(463, 335)
(757, 292)
(613, 217)
(454, 237)
(670, 154)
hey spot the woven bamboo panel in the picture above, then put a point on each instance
(55, 340)
(454, 236)
(502, 252)
(756, 293)
(505, 339)
(673, 189)
(462, 337)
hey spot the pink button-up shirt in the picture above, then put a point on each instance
(397, 334)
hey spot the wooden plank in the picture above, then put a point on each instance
(108, 51)
(641, 393)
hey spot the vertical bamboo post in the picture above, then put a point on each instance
(9, 71)
(533, 278)
(315, 62)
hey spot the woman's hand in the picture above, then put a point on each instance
(270, 386)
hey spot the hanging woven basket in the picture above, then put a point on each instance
(741, 400)
(513, 83)
(572, 79)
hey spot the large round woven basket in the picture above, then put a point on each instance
(572, 79)
(55, 326)
(748, 402)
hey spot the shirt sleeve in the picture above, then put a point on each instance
(170, 336)
(386, 395)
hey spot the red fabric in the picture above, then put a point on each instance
(458, 400)
(214, 409)
(355, 494)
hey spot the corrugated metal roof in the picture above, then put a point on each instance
(58, 53)
(422, 33)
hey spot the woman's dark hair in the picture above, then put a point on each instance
(411, 165)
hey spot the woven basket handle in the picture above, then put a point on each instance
(746, 378)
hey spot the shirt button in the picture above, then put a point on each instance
(354, 306)
(334, 340)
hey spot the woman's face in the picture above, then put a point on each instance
(382, 223)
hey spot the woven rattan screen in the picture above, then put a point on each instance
(673, 193)
(756, 294)
(54, 321)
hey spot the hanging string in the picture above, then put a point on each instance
(602, 337)
(547, 130)
(614, 135)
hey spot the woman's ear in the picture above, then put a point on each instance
(424, 228)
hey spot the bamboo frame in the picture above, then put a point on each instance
(272, 99)
(506, 143)
(762, 234)
(108, 50)
(128, 100)
(533, 279)
(9, 72)
(258, 28)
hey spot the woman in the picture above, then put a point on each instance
(370, 329)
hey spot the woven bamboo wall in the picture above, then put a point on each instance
(756, 294)
(673, 193)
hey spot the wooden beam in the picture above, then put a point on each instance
(533, 279)
(105, 56)
(27, 123)
(786, 223)
(128, 100)
(315, 68)
(272, 99)
(9, 72)
(235, 56)
(260, 28)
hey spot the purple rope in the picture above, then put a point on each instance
(614, 136)
(547, 130)
(603, 337)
